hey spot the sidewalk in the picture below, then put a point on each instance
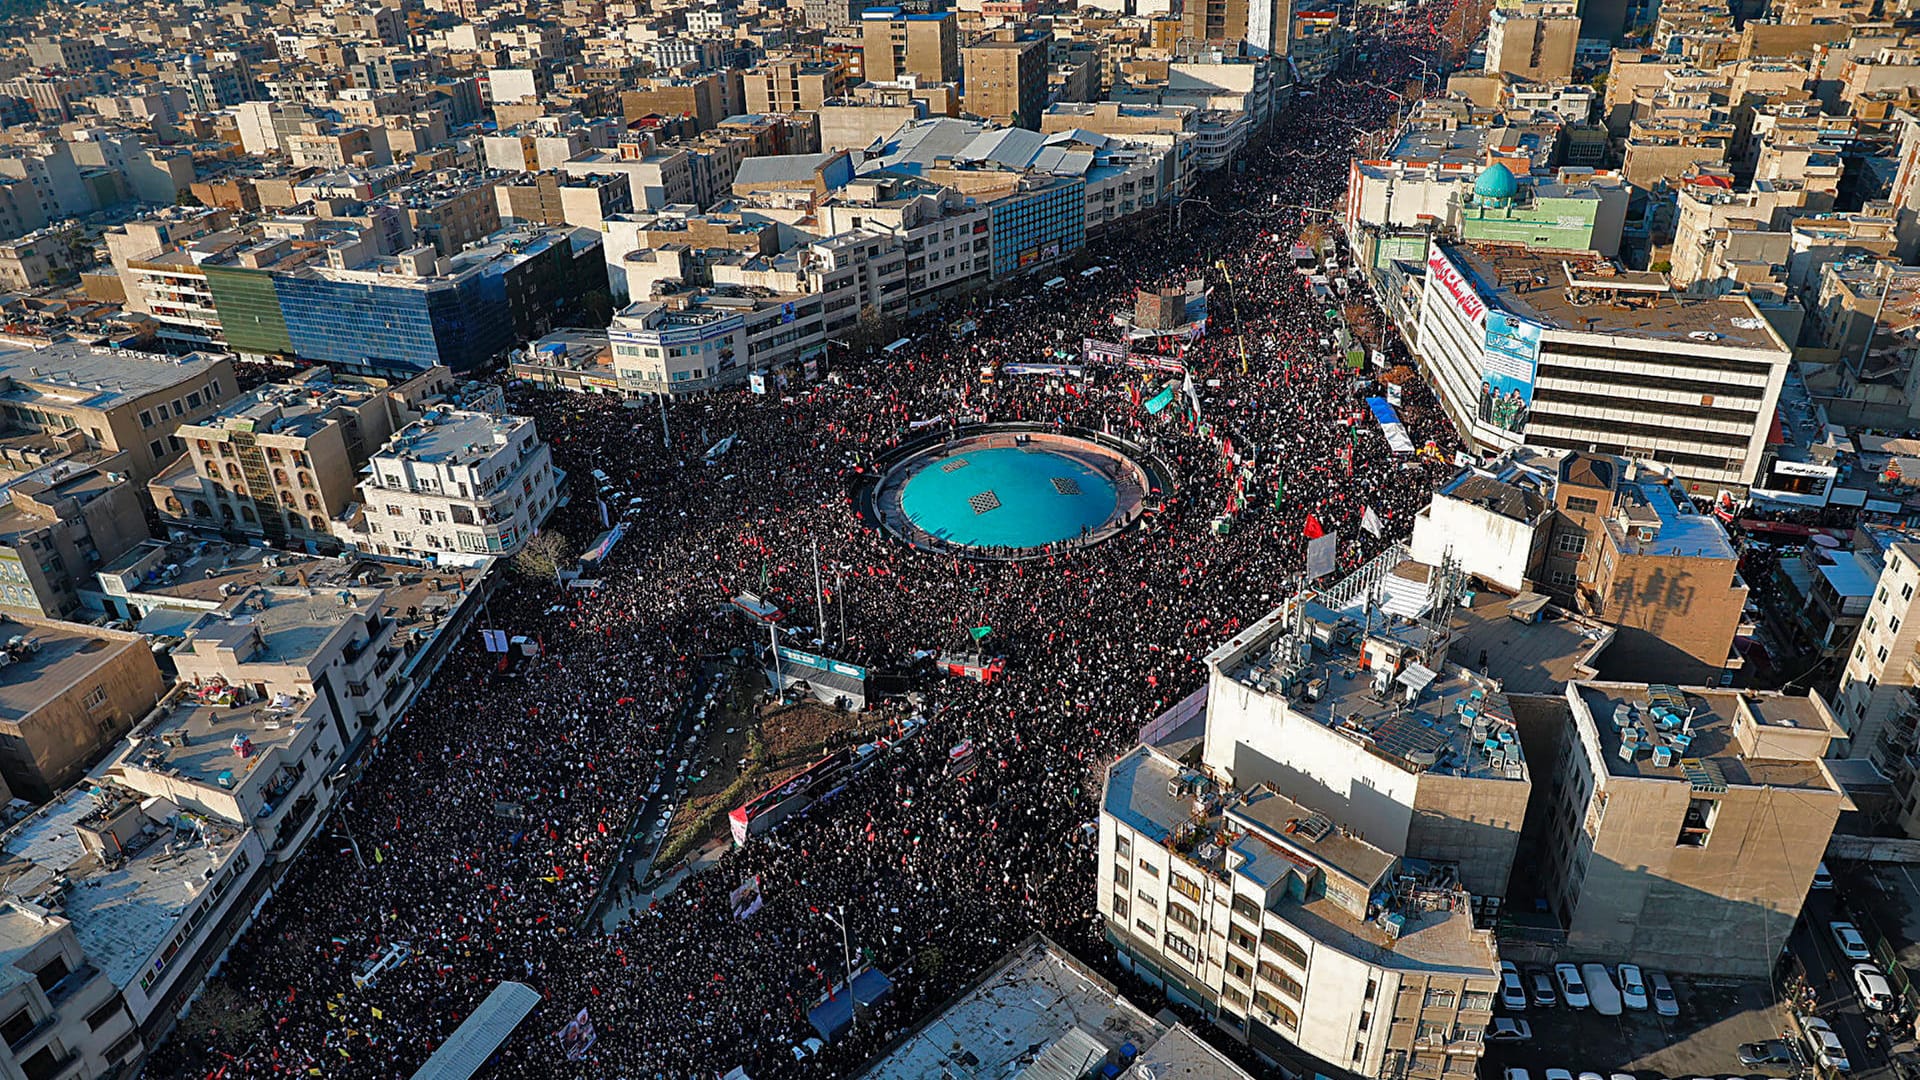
(637, 898)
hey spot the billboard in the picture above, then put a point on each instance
(1454, 284)
(1507, 371)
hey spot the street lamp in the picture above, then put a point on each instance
(846, 954)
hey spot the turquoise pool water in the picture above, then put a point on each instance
(1008, 497)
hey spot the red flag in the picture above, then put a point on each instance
(1312, 529)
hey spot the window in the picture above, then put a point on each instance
(1244, 907)
(95, 698)
(1186, 887)
(1881, 652)
(1871, 624)
(1122, 848)
(1120, 906)
(1281, 981)
(1906, 592)
(1121, 877)
(1570, 543)
(1582, 506)
(1181, 947)
(16, 1026)
(1439, 999)
(103, 1015)
(1893, 624)
(157, 448)
(146, 418)
(1238, 968)
(1146, 898)
(1182, 916)
(1561, 579)
(1148, 868)
(1274, 941)
(1239, 938)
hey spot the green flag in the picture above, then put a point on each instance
(979, 632)
(1279, 492)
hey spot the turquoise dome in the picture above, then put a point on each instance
(1496, 182)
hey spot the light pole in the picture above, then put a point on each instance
(846, 954)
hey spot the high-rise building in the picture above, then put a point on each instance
(1006, 80)
(895, 43)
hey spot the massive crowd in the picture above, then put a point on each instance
(937, 874)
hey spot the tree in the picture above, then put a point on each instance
(221, 1016)
(544, 555)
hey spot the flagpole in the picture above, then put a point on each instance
(819, 597)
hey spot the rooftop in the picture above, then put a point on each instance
(1014, 1015)
(1712, 738)
(453, 437)
(267, 625)
(210, 735)
(84, 376)
(1582, 293)
(1526, 658)
(120, 911)
(1648, 519)
(52, 657)
(291, 410)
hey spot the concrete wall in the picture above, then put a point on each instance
(1490, 546)
(1475, 823)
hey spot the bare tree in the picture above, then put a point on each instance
(222, 1016)
(544, 555)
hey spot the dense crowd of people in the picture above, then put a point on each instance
(937, 874)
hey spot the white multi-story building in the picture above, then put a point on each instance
(1875, 701)
(1309, 883)
(943, 234)
(1566, 350)
(454, 488)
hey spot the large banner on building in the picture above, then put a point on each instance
(1454, 286)
(1506, 380)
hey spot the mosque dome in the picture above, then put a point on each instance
(1496, 182)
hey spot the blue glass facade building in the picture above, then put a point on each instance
(381, 328)
(1034, 228)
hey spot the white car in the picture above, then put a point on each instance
(1558, 1074)
(1507, 1029)
(1573, 990)
(1847, 937)
(1633, 988)
(1513, 993)
(1875, 991)
(1825, 1044)
(1600, 992)
(1664, 1002)
(1513, 1074)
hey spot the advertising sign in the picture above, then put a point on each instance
(1442, 273)
(1506, 379)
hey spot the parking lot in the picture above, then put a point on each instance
(1716, 1016)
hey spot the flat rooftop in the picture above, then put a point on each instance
(67, 654)
(293, 410)
(453, 437)
(268, 625)
(1542, 285)
(1526, 658)
(1676, 531)
(84, 376)
(1713, 745)
(201, 737)
(120, 913)
(1036, 999)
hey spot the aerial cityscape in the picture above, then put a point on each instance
(960, 539)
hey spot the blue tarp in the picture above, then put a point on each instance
(832, 1017)
(1389, 422)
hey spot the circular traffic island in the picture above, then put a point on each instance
(1011, 493)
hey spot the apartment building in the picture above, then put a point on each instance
(1685, 824)
(1006, 79)
(553, 198)
(111, 399)
(1310, 883)
(1611, 539)
(1566, 350)
(57, 1007)
(1874, 699)
(1533, 40)
(455, 488)
(895, 43)
(59, 524)
(68, 692)
(944, 235)
(281, 463)
(788, 86)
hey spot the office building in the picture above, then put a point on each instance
(1040, 222)
(68, 691)
(454, 488)
(1567, 350)
(895, 43)
(1006, 79)
(1685, 824)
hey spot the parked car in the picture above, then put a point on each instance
(1513, 993)
(1507, 1029)
(1572, 987)
(1558, 1074)
(1600, 990)
(1770, 1052)
(1544, 995)
(1513, 1074)
(1633, 988)
(1875, 991)
(1591, 1076)
(1847, 937)
(1824, 1044)
(1822, 877)
(1664, 1002)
